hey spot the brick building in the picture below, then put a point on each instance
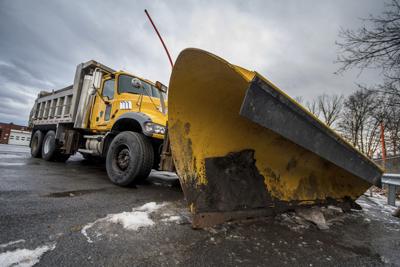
(15, 131)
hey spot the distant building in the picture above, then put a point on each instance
(14, 134)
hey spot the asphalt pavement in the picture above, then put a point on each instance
(69, 214)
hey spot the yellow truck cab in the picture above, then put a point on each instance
(124, 95)
(108, 114)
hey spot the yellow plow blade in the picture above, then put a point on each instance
(243, 148)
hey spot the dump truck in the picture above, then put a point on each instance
(106, 114)
(241, 147)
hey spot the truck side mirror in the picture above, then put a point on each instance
(106, 99)
(136, 83)
(97, 76)
(161, 87)
(92, 90)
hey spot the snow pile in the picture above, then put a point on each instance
(24, 257)
(137, 218)
(134, 220)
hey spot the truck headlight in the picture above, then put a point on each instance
(154, 128)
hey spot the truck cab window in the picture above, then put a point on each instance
(125, 85)
(108, 89)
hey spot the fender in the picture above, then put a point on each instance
(131, 121)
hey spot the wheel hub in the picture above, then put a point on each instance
(46, 145)
(123, 159)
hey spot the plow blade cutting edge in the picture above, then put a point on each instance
(243, 148)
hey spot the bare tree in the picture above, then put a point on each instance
(392, 129)
(377, 45)
(312, 106)
(389, 111)
(325, 107)
(299, 99)
(360, 121)
(330, 107)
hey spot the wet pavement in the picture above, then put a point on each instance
(69, 214)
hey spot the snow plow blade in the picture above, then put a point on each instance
(242, 148)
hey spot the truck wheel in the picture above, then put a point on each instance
(148, 160)
(36, 144)
(49, 146)
(127, 158)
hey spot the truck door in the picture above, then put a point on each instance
(103, 106)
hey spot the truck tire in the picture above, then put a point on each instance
(49, 148)
(50, 151)
(128, 158)
(36, 144)
(148, 162)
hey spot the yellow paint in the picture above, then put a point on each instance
(205, 96)
(149, 106)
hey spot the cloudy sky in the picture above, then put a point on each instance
(290, 42)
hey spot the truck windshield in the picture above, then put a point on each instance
(125, 86)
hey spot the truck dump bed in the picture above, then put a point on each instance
(67, 105)
(53, 107)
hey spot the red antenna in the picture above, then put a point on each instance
(159, 36)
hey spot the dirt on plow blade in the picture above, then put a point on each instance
(243, 148)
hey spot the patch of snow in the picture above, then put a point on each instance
(12, 243)
(137, 218)
(12, 163)
(24, 257)
(381, 201)
(164, 173)
(293, 222)
(385, 260)
(376, 208)
(14, 148)
(13, 156)
(150, 207)
(86, 227)
(173, 218)
(134, 220)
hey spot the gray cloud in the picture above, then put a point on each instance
(290, 42)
